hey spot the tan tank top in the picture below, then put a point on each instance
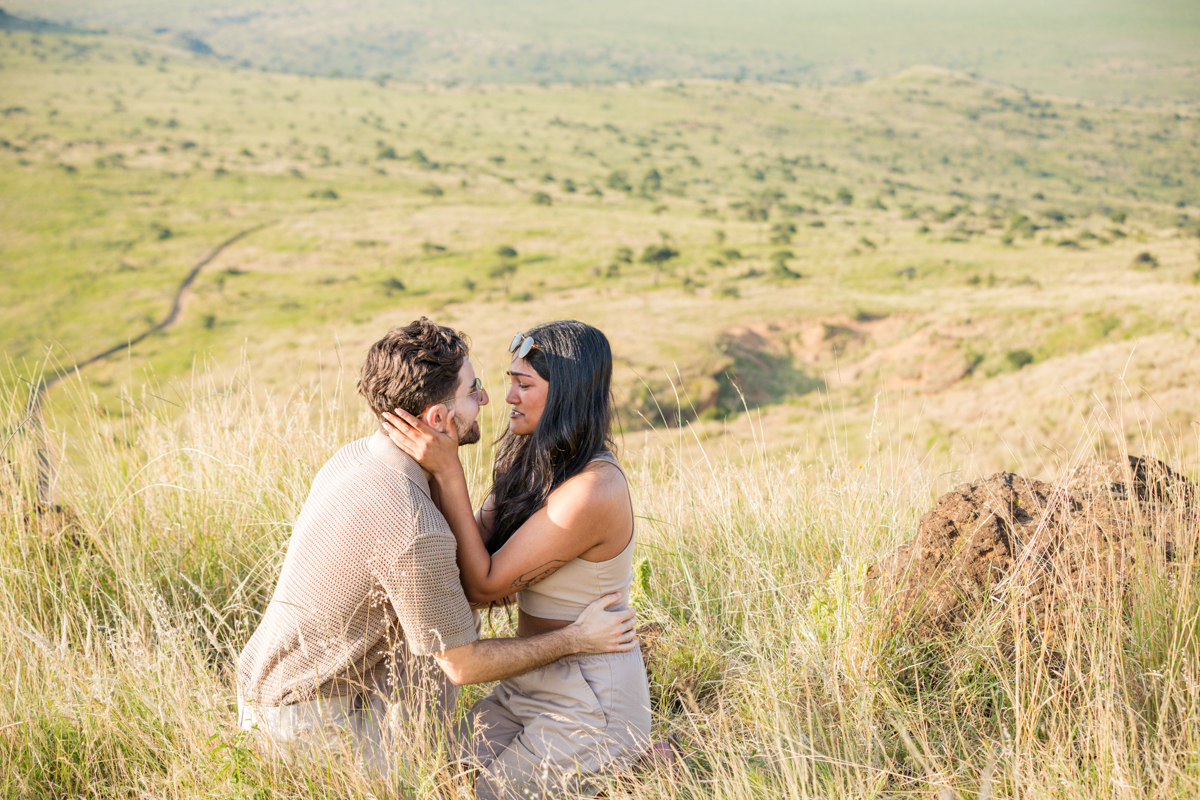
(578, 583)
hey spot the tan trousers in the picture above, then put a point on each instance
(559, 729)
(403, 706)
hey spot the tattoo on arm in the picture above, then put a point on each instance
(538, 574)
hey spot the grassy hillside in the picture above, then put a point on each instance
(828, 304)
(1099, 50)
(927, 235)
(121, 614)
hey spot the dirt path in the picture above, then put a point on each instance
(34, 408)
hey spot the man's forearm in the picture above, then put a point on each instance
(496, 659)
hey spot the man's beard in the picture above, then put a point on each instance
(471, 435)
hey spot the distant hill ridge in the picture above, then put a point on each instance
(9, 22)
(1090, 49)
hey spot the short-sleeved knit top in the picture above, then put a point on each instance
(370, 562)
(578, 583)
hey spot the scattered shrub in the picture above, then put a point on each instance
(624, 254)
(617, 180)
(780, 271)
(506, 251)
(1019, 358)
(323, 194)
(727, 291)
(504, 274)
(1145, 260)
(432, 189)
(782, 232)
(542, 199)
(658, 254)
(844, 197)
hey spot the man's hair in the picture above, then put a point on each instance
(413, 367)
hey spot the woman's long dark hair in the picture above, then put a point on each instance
(576, 424)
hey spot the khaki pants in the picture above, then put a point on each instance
(559, 729)
(402, 707)
(351, 729)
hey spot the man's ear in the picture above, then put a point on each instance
(436, 417)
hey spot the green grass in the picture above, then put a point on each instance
(968, 302)
(122, 626)
(930, 198)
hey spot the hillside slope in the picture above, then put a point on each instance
(745, 245)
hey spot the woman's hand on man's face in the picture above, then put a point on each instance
(436, 451)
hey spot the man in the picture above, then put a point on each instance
(369, 601)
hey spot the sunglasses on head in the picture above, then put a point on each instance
(521, 345)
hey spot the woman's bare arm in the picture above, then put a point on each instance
(589, 511)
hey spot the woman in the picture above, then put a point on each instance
(557, 529)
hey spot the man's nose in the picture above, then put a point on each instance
(483, 396)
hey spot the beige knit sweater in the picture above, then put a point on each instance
(370, 560)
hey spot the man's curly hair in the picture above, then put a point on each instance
(413, 367)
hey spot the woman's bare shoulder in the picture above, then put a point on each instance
(599, 488)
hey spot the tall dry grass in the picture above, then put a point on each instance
(123, 610)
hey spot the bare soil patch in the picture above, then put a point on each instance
(1042, 550)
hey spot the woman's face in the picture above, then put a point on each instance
(527, 396)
